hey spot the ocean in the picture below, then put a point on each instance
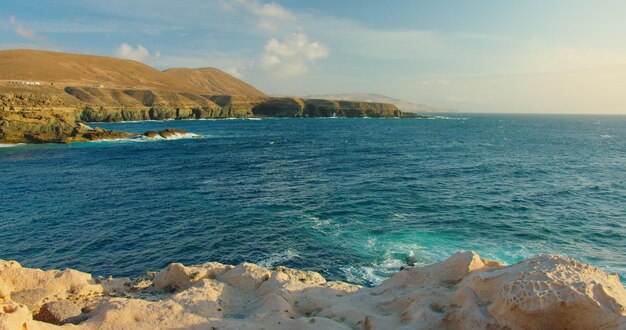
(353, 199)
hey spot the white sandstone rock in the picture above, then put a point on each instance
(462, 292)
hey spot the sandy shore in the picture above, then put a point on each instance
(462, 292)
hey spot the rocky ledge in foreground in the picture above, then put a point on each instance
(462, 292)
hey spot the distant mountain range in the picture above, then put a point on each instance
(373, 97)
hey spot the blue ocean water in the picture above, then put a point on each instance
(350, 198)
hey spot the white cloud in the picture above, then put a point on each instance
(138, 53)
(23, 31)
(269, 15)
(291, 57)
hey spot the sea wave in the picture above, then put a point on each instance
(448, 118)
(394, 256)
(277, 258)
(372, 274)
(9, 145)
(143, 138)
(175, 136)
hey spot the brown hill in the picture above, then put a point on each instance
(77, 70)
(216, 81)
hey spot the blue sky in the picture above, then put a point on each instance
(488, 56)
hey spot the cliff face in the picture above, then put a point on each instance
(50, 114)
(462, 292)
(72, 87)
(49, 126)
(296, 107)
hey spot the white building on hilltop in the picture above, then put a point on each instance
(22, 82)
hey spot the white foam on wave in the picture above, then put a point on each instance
(319, 223)
(241, 118)
(143, 138)
(275, 259)
(175, 136)
(606, 136)
(374, 273)
(394, 256)
(401, 216)
(9, 145)
(447, 118)
(229, 118)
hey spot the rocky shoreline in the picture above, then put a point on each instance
(47, 115)
(45, 95)
(462, 292)
(58, 126)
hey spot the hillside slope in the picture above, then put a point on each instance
(77, 70)
(214, 81)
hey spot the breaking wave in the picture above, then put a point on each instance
(9, 145)
(275, 259)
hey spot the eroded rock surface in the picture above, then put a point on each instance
(462, 292)
(60, 312)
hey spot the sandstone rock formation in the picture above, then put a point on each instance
(462, 292)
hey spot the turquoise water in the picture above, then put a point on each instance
(353, 199)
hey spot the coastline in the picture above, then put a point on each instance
(464, 291)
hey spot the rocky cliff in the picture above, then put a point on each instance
(48, 113)
(462, 292)
(43, 96)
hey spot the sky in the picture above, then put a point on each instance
(529, 56)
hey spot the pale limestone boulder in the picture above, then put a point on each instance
(16, 317)
(246, 277)
(551, 292)
(461, 292)
(176, 276)
(31, 297)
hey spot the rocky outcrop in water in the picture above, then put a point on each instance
(462, 292)
(49, 126)
(169, 134)
(61, 126)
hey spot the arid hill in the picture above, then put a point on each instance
(78, 70)
(214, 81)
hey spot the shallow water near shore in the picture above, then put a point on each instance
(353, 199)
